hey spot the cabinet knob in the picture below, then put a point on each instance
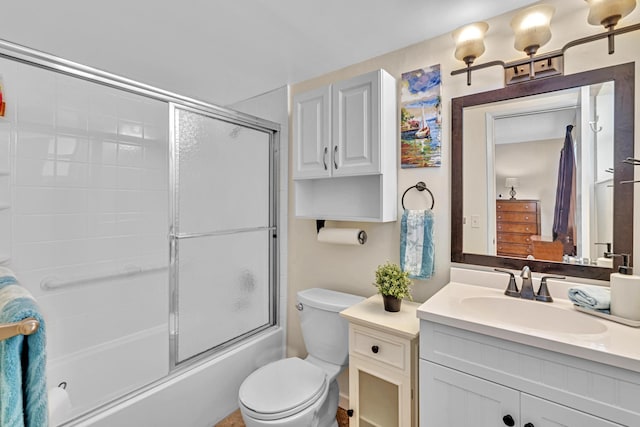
(350, 412)
(508, 420)
(375, 349)
(529, 425)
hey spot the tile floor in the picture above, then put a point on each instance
(235, 419)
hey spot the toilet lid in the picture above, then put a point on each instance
(282, 388)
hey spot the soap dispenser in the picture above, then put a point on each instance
(625, 291)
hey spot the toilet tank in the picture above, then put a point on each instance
(325, 332)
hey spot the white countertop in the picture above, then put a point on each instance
(616, 344)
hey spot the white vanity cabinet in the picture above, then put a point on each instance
(468, 379)
(383, 364)
(453, 398)
(345, 141)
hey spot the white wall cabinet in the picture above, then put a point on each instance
(383, 364)
(473, 379)
(345, 150)
(453, 398)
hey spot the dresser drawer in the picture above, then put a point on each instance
(379, 346)
(517, 217)
(518, 228)
(524, 239)
(517, 206)
(514, 249)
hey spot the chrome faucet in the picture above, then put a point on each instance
(526, 291)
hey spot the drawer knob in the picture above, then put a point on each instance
(529, 425)
(375, 349)
(508, 420)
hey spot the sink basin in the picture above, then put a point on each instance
(530, 314)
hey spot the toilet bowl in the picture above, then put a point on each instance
(294, 392)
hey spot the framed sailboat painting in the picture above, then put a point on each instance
(421, 118)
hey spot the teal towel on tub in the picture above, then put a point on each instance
(417, 248)
(24, 399)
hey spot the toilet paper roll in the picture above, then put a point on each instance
(342, 236)
(59, 406)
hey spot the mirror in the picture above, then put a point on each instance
(508, 209)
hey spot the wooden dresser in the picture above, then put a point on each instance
(516, 222)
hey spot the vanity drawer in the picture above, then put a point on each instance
(523, 228)
(517, 206)
(517, 217)
(379, 346)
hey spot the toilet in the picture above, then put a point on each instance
(294, 392)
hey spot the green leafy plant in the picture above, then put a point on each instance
(391, 280)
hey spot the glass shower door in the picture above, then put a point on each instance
(223, 243)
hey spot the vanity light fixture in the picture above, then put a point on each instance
(531, 28)
(607, 13)
(470, 44)
(512, 183)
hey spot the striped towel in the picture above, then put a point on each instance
(22, 360)
(417, 248)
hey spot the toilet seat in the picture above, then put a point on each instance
(282, 388)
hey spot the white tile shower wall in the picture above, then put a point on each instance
(88, 189)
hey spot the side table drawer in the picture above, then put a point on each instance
(379, 346)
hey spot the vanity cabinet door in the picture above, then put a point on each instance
(538, 412)
(451, 398)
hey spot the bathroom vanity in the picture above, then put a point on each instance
(487, 359)
(383, 364)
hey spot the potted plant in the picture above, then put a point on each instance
(393, 284)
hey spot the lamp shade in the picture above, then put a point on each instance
(470, 41)
(511, 182)
(600, 11)
(531, 27)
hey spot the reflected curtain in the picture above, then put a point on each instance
(564, 212)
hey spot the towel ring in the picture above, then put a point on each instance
(420, 186)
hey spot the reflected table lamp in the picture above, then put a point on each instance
(512, 183)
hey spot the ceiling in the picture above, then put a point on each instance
(226, 51)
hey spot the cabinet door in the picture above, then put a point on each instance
(538, 412)
(378, 396)
(312, 133)
(356, 127)
(451, 398)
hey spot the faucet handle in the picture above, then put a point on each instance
(543, 291)
(512, 288)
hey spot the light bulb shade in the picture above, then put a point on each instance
(511, 182)
(470, 40)
(531, 27)
(601, 10)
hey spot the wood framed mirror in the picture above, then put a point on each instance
(620, 224)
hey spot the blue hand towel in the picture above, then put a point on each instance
(589, 296)
(416, 243)
(22, 361)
